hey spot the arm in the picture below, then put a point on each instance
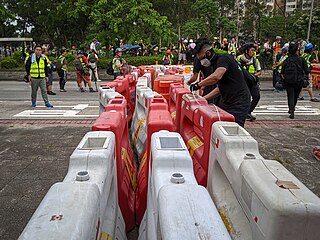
(213, 94)
(214, 77)
(46, 68)
(28, 66)
(193, 78)
(316, 60)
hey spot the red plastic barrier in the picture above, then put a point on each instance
(315, 72)
(195, 129)
(119, 104)
(122, 86)
(145, 69)
(115, 121)
(162, 84)
(132, 90)
(177, 90)
(158, 119)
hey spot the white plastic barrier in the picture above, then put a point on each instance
(260, 199)
(140, 115)
(148, 76)
(85, 205)
(105, 95)
(142, 82)
(177, 207)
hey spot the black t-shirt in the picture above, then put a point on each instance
(233, 88)
(197, 67)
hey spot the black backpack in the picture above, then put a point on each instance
(291, 71)
(110, 70)
(78, 64)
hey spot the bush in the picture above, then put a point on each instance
(17, 55)
(9, 63)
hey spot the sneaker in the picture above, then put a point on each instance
(51, 93)
(99, 80)
(291, 116)
(250, 117)
(62, 90)
(81, 90)
(91, 90)
(33, 104)
(49, 105)
(300, 98)
(314, 100)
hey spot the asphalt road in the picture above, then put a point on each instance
(34, 154)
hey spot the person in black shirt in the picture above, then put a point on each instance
(205, 71)
(235, 95)
(293, 70)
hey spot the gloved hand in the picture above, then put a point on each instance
(194, 87)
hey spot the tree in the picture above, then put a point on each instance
(5, 17)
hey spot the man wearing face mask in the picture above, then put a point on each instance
(235, 95)
(205, 72)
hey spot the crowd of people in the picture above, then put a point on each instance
(229, 80)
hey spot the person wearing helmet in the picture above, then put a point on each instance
(307, 55)
(294, 68)
(118, 63)
(81, 66)
(167, 58)
(276, 47)
(252, 65)
(182, 51)
(235, 95)
(224, 45)
(62, 69)
(216, 44)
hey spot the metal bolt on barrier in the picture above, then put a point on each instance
(250, 156)
(82, 176)
(177, 178)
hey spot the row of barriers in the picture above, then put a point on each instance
(210, 165)
(315, 73)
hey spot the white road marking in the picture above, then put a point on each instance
(283, 110)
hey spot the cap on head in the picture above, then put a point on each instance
(308, 46)
(225, 40)
(190, 41)
(168, 51)
(79, 52)
(278, 37)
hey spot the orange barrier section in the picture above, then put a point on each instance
(119, 104)
(162, 84)
(177, 90)
(196, 122)
(158, 119)
(315, 72)
(116, 122)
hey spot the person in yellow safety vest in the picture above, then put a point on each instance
(278, 66)
(232, 47)
(37, 71)
(307, 55)
(118, 63)
(62, 69)
(167, 59)
(252, 65)
(182, 50)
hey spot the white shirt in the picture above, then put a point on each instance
(93, 46)
(266, 46)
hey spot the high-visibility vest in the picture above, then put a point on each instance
(281, 61)
(232, 48)
(62, 58)
(252, 67)
(307, 58)
(38, 70)
(182, 48)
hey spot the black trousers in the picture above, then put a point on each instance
(255, 94)
(62, 79)
(292, 95)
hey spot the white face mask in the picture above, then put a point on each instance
(205, 62)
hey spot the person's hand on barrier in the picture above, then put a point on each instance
(194, 87)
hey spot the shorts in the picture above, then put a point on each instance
(182, 56)
(50, 78)
(310, 83)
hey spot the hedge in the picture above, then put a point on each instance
(9, 63)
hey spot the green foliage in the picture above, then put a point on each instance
(9, 63)
(17, 56)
